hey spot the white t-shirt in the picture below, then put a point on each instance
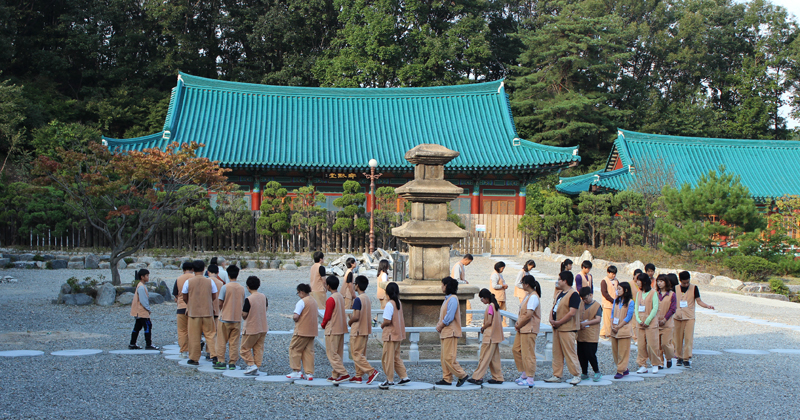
(298, 308)
(533, 302)
(223, 275)
(185, 289)
(388, 312)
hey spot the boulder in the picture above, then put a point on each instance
(171, 267)
(59, 264)
(630, 268)
(337, 271)
(252, 264)
(137, 266)
(600, 264)
(361, 269)
(39, 264)
(66, 289)
(48, 257)
(547, 251)
(290, 266)
(106, 295)
(756, 288)
(586, 256)
(701, 278)
(104, 265)
(722, 281)
(156, 265)
(25, 257)
(11, 257)
(4, 262)
(559, 257)
(91, 261)
(25, 264)
(793, 288)
(770, 296)
(75, 265)
(156, 299)
(79, 299)
(76, 258)
(125, 298)
(275, 264)
(105, 257)
(145, 260)
(121, 265)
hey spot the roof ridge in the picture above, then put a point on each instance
(708, 141)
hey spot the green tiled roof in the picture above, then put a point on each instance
(259, 126)
(765, 166)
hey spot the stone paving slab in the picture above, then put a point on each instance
(135, 352)
(747, 351)
(78, 352)
(20, 353)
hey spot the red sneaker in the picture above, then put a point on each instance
(331, 379)
(356, 379)
(341, 379)
(372, 376)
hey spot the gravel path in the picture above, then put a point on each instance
(115, 386)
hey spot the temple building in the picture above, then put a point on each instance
(638, 160)
(323, 137)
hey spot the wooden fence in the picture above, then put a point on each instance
(492, 233)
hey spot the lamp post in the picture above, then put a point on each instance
(371, 176)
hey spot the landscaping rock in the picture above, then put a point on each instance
(66, 289)
(756, 288)
(722, 281)
(48, 257)
(171, 267)
(252, 265)
(275, 264)
(78, 299)
(4, 262)
(76, 259)
(701, 278)
(586, 256)
(25, 257)
(24, 264)
(793, 288)
(137, 266)
(59, 264)
(156, 265)
(125, 298)
(146, 260)
(104, 265)
(75, 265)
(121, 265)
(39, 264)
(290, 266)
(105, 257)
(106, 295)
(630, 268)
(337, 271)
(770, 296)
(11, 257)
(156, 299)
(92, 261)
(547, 252)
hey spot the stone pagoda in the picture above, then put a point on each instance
(429, 235)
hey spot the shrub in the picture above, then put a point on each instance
(778, 286)
(128, 260)
(48, 265)
(789, 266)
(38, 257)
(751, 268)
(243, 263)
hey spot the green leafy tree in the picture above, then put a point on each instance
(274, 219)
(11, 117)
(594, 213)
(197, 220)
(70, 136)
(351, 219)
(307, 212)
(385, 213)
(233, 214)
(558, 217)
(718, 206)
(628, 208)
(536, 194)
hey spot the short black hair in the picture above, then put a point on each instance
(585, 291)
(318, 256)
(362, 282)
(233, 271)
(332, 282)
(468, 256)
(673, 278)
(198, 266)
(450, 285)
(253, 283)
(303, 287)
(213, 261)
(568, 277)
(611, 269)
(586, 264)
(498, 265)
(684, 275)
(187, 265)
(213, 268)
(637, 272)
(649, 266)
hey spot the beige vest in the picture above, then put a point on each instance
(381, 293)
(627, 330)
(316, 282)
(232, 305)
(337, 325)
(611, 287)
(563, 310)
(459, 272)
(494, 332)
(532, 327)
(520, 293)
(257, 317)
(182, 279)
(347, 288)
(396, 331)
(647, 301)
(663, 308)
(683, 314)
(454, 329)
(591, 334)
(137, 310)
(219, 284)
(364, 324)
(499, 294)
(201, 300)
(306, 326)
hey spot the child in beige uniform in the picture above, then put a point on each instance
(449, 328)
(564, 320)
(199, 293)
(140, 310)
(499, 286)
(589, 334)
(231, 301)
(492, 331)
(608, 291)
(348, 290)
(301, 348)
(317, 279)
(459, 272)
(527, 326)
(211, 344)
(254, 312)
(360, 328)
(334, 323)
(394, 332)
(182, 319)
(381, 280)
(646, 313)
(687, 296)
(519, 289)
(621, 328)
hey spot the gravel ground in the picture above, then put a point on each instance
(115, 386)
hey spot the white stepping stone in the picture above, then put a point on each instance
(174, 357)
(315, 382)
(185, 363)
(785, 351)
(589, 382)
(21, 353)
(239, 373)
(412, 386)
(373, 385)
(275, 379)
(210, 369)
(171, 352)
(171, 347)
(650, 375)
(706, 352)
(746, 351)
(80, 352)
(551, 385)
(135, 352)
(627, 378)
(507, 385)
(671, 371)
(452, 387)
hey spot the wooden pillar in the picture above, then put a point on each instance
(521, 201)
(475, 202)
(255, 197)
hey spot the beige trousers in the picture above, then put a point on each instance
(490, 358)
(301, 350)
(621, 350)
(391, 361)
(683, 335)
(253, 348)
(334, 349)
(320, 298)
(450, 366)
(524, 351)
(648, 347)
(228, 335)
(183, 332)
(605, 326)
(564, 347)
(665, 338)
(196, 328)
(358, 346)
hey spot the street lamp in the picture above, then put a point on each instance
(372, 177)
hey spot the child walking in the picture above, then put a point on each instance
(608, 289)
(254, 312)
(687, 295)
(449, 328)
(567, 303)
(527, 326)
(499, 286)
(231, 302)
(360, 328)
(459, 272)
(584, 279)
(589, 334)
(519, 290)
(394, 332)
(667, 304)
(334, 322)
(492, 331)
(622, 328)
(301, 348)
(647, 306)
(382, 277)
(140, 310)
(348, 291)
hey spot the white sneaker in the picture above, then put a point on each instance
(553, 379)
(251, 369)
(655, 369)
(295, 375)
(184, 355)
(575, 380)
(642, 370)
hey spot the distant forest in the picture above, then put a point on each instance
(575, 70)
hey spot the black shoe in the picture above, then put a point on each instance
(443, 383)
(660, 367)
(687, 364)
(493, 382)
(134, 347)
(669, 364)
(192, 362)
(475, 381)
(404, 381)
(214, 360)
(385, 385)
(152, 348)
(220, 366)
(680, 362)
(231, 366)
(462, 380)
